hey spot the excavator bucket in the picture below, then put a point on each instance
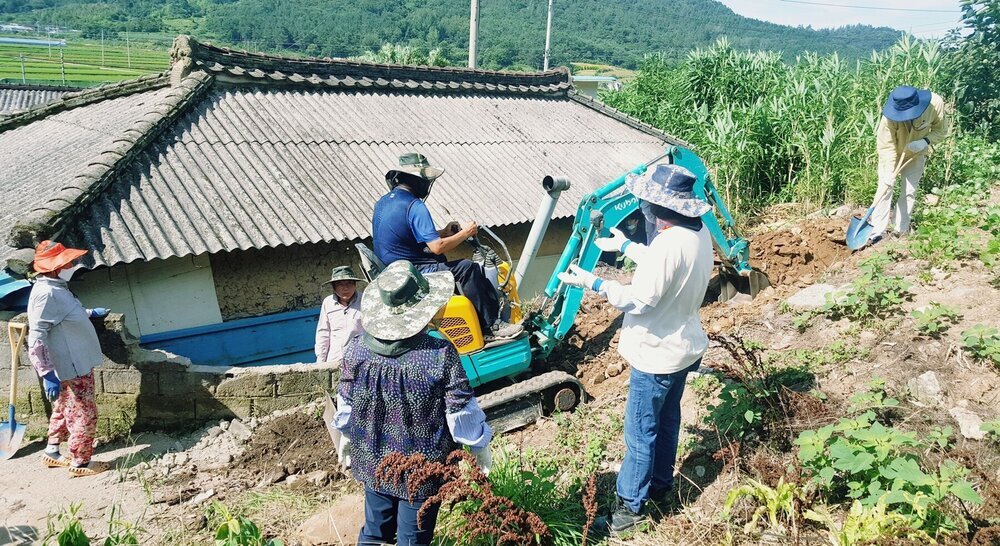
(731, 284)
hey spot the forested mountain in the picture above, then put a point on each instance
(512, 32)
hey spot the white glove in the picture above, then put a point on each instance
(917, 146)
(344, 451)
(613, 243)
(578, 277)
(484, 459)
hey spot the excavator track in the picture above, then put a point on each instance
(525, 402)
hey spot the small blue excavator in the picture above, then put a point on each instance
(513, 383)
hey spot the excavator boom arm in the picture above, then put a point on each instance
(606, 208)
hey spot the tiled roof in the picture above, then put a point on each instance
(17, 98)
(189, 54)
(224, 160)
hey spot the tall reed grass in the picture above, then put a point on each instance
(774, 132)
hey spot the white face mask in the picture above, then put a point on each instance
(67, 274)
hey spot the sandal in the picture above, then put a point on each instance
(51, 462)
(92, 469)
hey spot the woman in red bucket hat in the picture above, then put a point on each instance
(64, 349)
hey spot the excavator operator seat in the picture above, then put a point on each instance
(370, 263)
(458, 320)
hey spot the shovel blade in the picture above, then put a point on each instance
(858, 231)
(11, 434)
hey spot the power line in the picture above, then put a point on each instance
(854, 6)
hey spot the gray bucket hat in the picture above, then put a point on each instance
(670, 186)
(343, 273)
(401, 301)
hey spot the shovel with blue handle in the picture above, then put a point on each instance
(12, 432)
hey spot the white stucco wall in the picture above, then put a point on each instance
(156, 296)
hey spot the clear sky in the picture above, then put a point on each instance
(902, 14)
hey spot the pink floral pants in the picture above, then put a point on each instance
(74, 418)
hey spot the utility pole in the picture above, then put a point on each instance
(62, 66)
(548, 38)
(24, 79)
(473, 32)
(102, 48)
(128, 49)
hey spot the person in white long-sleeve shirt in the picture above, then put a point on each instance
(340, 315)
(64, 350)
(662, 338)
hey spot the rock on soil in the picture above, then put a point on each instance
(811, 297)
(968, 422)
(926, 389)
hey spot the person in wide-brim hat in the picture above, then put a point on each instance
(913, 122)
(401, 301)
(339, 316)
(64, 349)
(662, 338)
(404, 392)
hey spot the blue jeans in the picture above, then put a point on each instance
(388, 519)
(652, 424)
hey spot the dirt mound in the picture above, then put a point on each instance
(799, 254)
(291, 444)
(591, 348)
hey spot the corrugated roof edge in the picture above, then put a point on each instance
(98, 258)
(188, 54)
(84, 97)
(626, 119)
(49, 220)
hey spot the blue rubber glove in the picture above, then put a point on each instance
(99, 312)
(52, 385)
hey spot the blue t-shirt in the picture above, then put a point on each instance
(401, 228)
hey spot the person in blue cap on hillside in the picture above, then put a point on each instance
(914, 121)
(662, 338)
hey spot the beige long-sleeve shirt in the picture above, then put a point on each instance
(892, 137)
(337, 325)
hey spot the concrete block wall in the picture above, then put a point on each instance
(175, 396)
(151, 390)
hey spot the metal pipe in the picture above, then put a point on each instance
(548, 38)
(553, 186)
(473, 32)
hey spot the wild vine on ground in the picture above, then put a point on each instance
(496, 518)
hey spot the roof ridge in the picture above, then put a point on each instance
(84, 97)
(626, 119)
(188, 53)
(50, 218)
(38, 87)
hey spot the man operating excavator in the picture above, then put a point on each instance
(402, 229)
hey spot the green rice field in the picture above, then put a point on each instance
(83, 63)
